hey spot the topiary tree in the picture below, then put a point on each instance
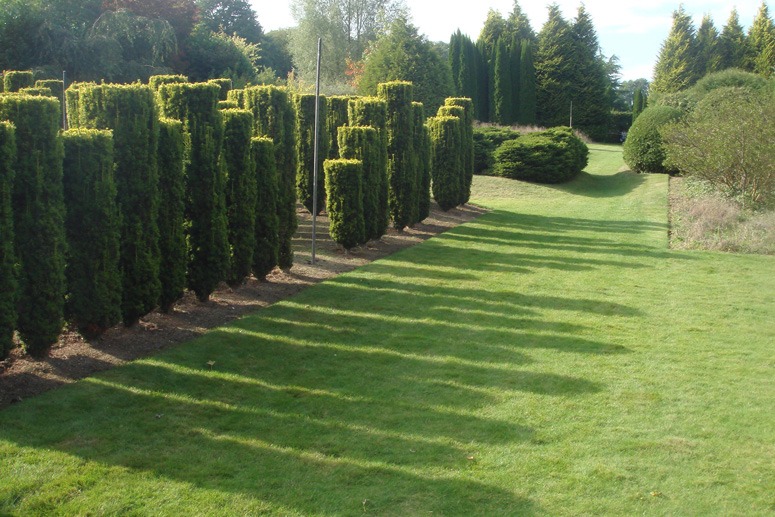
(196, 105)
(266, 249)
(337, 116)
(93, 227)
(344, 201)
(15, 80)
(304, 105)
(459, 112)
(274, 117)
(445, 160)
(7, 256)
(225, 85)
(155, 81)
(237, 96)
(130, 112)
(643, 149)
(402, 175)
(229, 105)
(467, 148)
(364, 143)
(56, 86)
(72, 98)
(240, 192)
(172, 212)
(422, 157)
(37, 91)
(39, 213)
(372, 112)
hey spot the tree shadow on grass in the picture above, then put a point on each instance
(602, 186)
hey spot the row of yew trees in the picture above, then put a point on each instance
(172, 185)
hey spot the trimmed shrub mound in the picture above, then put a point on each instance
(486, 140)
(364, 143)
(344, 201)
(643, 149)
(551, 156)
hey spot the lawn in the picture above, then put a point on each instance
(552, 357)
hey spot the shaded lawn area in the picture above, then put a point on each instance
(552, 357)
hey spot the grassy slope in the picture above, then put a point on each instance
(552, 357)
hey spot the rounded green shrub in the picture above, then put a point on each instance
(545, 157)
(15, 80)
(364, 143)
(304, 105)
(172, 212)
(344, 201)
(93, 227)
(402, 173)
(240, 192)
(643, 149)
(267, 224)
(39, 217)
(578, 151)
(486, 140)
(445, 161)
(7, 256)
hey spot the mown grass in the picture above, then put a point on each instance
(552, 357)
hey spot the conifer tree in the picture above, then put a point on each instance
(732, 44)
(304, 105)
(468, 69)
(761, 44)
(555, 70)
(526, 113)
(455, 57)
(482, 100)
(502, 85)
(336, 117)
(467, 144)
(7, 257)
(364, 143)
(267, 223)
(675, 69)
(708, 58)
(519, 24)
(637, 104)
(515, 55)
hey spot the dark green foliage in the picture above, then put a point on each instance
(643, 149)
(372, 111)
(539, 157)
(555, 70)
(172, 212)
(93, 227)
(216, 54)
(337, 116)
(228, 105)
(39, 213)
(155, 81)
(459, 112)
(486, 140)
(240, 192)
(464, 63)
(526, 111)
(638, 104)
(422, 152)
(37, 91)
(761, 43)
(196, 105)
(266, 246)
(707, 60)
(344, 201)
(237, 96)
(468, 142)
(304, 105)
(72, 100)
(402, 175)
(578, 152)
(225, 84)
(129, 110)
(732, 44)
(274, 117)
(676, 68)
(364, 143)
(15, 80)
(55, 85)
(445, 160)
(7, 257)
(502, 92)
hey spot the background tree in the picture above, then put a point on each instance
(526, 111)
(761, 44)
(502, 91)
(592, 102)
(180, 14)
(210, 55)
(555, 70)
(232, 17)
(519, 24)
(732, 44)
(675, 69)
(275, 52)
(708, 58)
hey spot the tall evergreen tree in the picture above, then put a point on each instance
(675, 69)
(502, 87)
(519, 24)
(526, 113)
(637, 104)
(732, 44)
(761, 44)
(482, 100)
(455, 56)
(708, 58)
(468, 68)
(495, 26)
(555, 70)
(515, 55)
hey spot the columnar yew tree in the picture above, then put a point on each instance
(155, 81)
(364, 143)
(196, 105)
(502, 92)
(240, 192)
(305, 146)
(172, 212)
(467, 147)
(445, 161)
(39, 213)
(344, 201)
(266, 247)
(93, 226)
(336, 117)
(7, 257)
(402, 176)
(56, 86)
(129, 111)
(459, 112)
(274, 117)
(15, 80)
(526, 111)
(225, 86)
(422, 151)
(372, 111)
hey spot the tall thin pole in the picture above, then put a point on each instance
(315, 157)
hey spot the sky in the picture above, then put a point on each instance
(633, 30)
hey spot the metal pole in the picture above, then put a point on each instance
(315, 157)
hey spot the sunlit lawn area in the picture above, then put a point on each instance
(552, 357)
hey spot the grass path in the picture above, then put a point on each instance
(552, 357)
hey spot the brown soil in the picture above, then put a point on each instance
(74, 357)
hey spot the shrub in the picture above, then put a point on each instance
(172, 212)
(728, 141)
(305, 146)
(7, 257)
(240, 192)
(274, 117)
(39, 213)
(130, 112)
(402, 175)
(93, 227)
(155, 81)
(336, 117)
(56, 86)
(344, 201)
(15, 80)
(229, 105)
(364, 143)
(237, 96)
(72, 101)
(36, 91)
(467, 148)
(551, 156)
(422, 156)
(459, 112)
(225, 85)
(265, 255)
(578, 150)
(486, 140)
(643, 149)
(445, 160)
(196, 105)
